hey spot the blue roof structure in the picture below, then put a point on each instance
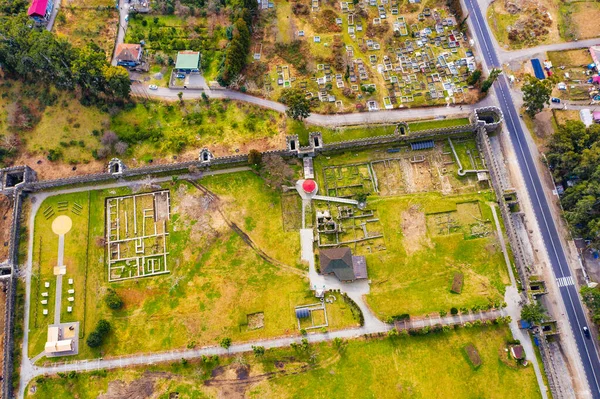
(302, 313)
(537, 69)
(422, 145)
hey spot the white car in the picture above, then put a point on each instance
(153, 87)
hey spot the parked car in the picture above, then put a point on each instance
(180, 76)
(586, 332)
(153, 87)
(555, 100)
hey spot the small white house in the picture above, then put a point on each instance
(586, 117)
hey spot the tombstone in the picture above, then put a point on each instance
(205, 156)
(116, 167)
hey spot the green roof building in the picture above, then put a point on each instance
(188, 61)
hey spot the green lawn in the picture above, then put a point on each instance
(414, 274)
(437, 124)
(422, 367)
(216, 279)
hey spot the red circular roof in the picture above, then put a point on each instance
(309, 186)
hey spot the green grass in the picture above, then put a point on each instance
(416, 278)
(222, 126)
(437, 124)
(216, 279)
(430, 366)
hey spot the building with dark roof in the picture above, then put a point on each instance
(341, 263)
(129, 55)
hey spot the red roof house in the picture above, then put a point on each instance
(40, 10)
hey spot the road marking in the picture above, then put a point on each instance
(565, 281)
(510, 110)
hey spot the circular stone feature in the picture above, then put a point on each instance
(61, 225)
(309, 186)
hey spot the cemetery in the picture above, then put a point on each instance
(368, 55)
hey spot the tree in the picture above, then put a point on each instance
(117, 82)
(225, 342)
(113, 300)
(259, 351)
(94, 340)
(103, 327)
(591, 297)
(255, 158)
(474, 77)
(533, 312)
(340, 344)
(297, 103)
(487, 84)
(536, 94)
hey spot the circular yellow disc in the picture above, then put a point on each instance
(61, 225)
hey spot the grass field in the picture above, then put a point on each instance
(414, 274)
(222, 126)
(430, 366)
(216, 279)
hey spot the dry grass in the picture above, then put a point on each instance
(585, 19)
(83, 25)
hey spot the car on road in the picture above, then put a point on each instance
(180, 76)
(555, 100)
(153, 87)
(586, 332)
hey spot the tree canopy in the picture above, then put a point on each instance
(574, 159)
(39, 56)
(536, 94)
(298, 104)
(533, 312)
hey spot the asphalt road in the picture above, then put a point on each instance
(575, 312)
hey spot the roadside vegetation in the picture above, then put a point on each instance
(573, 158)
(382, 368)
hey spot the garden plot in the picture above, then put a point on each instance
(136, 239)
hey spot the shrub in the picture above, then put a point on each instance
(225, 342)
(94, 340)
(103, 327)
(453, 311)
(113, 300)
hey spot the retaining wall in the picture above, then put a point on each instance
(485, 148)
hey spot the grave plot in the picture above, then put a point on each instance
(345, 181)
(136, 235)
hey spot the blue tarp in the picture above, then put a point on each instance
(422, 145)
(537, 69)
(524, 324)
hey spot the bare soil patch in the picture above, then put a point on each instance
(141, 388)
(414, 230)
(586, 18)
(234, 380)
(256, 320)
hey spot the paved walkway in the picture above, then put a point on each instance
(512, 297)
(122, 28)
